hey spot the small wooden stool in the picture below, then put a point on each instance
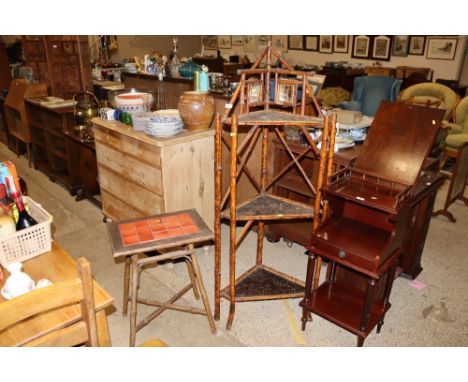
(177, 232)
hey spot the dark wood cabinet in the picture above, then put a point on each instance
(379, 211)
(62, 62)
(59, 153)
(3, 125)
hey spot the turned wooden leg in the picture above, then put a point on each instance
(192, 279)
(128, 261)
(360, 341)
(201, 286)
(133, 299)
(379, 326)
(368, 304)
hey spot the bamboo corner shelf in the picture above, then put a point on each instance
(268, 99)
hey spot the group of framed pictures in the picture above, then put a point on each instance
(322, 43)
(363, 46)
(250, 43)
(380, 47)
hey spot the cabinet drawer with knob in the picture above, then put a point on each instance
(359, 246)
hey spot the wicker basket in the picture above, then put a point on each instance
(28, 242)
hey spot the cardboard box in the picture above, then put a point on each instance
(347, 117)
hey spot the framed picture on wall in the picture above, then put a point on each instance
(441, 48)
(326, 44)
(341, 44)
(361, 47)
(311, 43)
(417, 45)
(224, 42)
(237, 40)
(280, 43)
(400, 46)
(296, 42)
(381, 48)
(263, 41)
(250, 44)
(210, 42)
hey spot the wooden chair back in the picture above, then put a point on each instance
(43, 300)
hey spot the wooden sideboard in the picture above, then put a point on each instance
(3, 126)
(59, 152)
(173, 87)
(140, 175)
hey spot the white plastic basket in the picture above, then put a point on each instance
(28, 242)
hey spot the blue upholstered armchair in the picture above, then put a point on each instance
(370, 91)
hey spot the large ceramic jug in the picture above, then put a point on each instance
(196, 110)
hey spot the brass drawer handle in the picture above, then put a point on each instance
(341, 254)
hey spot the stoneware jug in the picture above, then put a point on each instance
(18, 283)
(196, 110)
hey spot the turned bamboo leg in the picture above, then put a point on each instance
(201, 286)
(128, 261)
(133, 299)
(263, 183)
(217, 223)
(318, 195)
(306, 316)
(232, 225)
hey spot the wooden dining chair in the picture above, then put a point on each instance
(40, 301)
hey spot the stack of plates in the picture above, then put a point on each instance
(164, 123)
(140, 120)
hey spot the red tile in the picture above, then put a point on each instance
(157, 227)
(191, 229)
(160, 235)
(143, 230)
(128, 240)
(126, 227)
(145, 236)
(185, 219)
(141, 223)
(154, 221)
(171, 222)
(176, 232)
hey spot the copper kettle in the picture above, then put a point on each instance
(86, 107)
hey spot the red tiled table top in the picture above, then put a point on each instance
(158, 232)
(157, 228)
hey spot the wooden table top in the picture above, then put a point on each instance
(125, 130)
(56, 266)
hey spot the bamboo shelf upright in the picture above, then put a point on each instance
(269, 99)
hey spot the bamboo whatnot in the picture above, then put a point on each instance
(262, 117)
